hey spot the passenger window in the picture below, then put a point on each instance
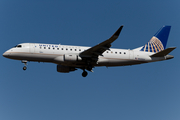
(44, 47)
(119, 52)
(66, 49)
(116, 52)
(49, 47)
(61, 48)
(124, 52)
(53, 48)
(57, 48)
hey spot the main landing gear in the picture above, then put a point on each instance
(84, 74)
(25, 64)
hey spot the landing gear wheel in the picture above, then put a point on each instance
(84, 74)
(24, 68)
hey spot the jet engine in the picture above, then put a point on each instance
(65, 69)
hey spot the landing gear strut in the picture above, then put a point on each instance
(84, 74)
(25, 64)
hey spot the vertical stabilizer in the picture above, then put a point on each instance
(158, 42)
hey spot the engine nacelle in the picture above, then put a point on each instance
(72, 58)
(65, 69)
(67, 58)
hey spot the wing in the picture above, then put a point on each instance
(97, 50)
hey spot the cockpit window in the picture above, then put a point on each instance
(19, 46)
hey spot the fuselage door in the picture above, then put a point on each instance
(31, 47)
(131, 54)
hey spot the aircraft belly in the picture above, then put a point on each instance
(126, 63)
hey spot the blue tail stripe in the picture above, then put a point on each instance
(163, 35)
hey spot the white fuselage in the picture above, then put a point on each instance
(69, 55)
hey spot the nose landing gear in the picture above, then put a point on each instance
(24, 68)
(25, 64)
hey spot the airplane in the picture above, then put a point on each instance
(70, 58)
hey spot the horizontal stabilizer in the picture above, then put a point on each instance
(163, 53)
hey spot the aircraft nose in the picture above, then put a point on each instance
(5, 54)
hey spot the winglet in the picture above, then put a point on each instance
(163, 53)
(116, 34)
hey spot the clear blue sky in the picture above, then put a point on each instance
(141, 92)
